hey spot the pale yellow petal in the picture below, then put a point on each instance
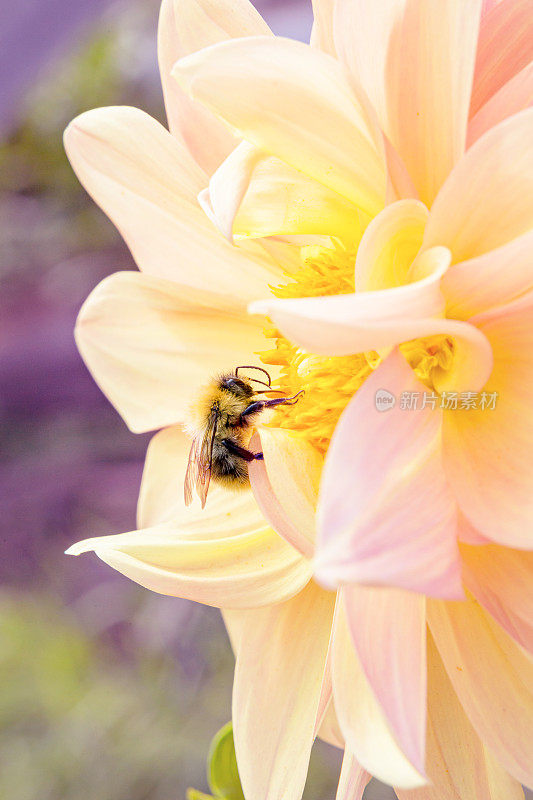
(329, 730)
(322, 31)
(288, 101)
(147, 183)
(186, 26)
(161, 492)
(253, 195)
(353, 779)
(151, 345)
(223, 556)
(281, 661)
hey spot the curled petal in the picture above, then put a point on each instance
(352, 323)
(390, 245)
(287, 102)
(255, 195)
(386, 513)
(339, 325)
(217, 557)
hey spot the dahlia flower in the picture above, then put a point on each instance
(356, 213)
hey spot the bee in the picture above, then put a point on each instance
(226, 411)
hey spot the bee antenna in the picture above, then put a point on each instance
(259, 369)
(262, 383)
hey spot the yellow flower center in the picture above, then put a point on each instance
(330, 382)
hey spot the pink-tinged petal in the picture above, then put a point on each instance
(513, 97)
(487, 451)
(147, 183)
(499, 276)
(322, 31)
(415, 60)
(505, 46)
(286, 484)
(244, 200)
(278, 679)
(353, 779)
(493, 678)
(286, 102)
(364, 726)
(222, 556)
(501, 579)
(150, 344)
(386, 514)
(458, 764)
(186, 26)
(488, 199)
(388, 630)
(390, 245)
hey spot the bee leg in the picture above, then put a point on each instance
(259, 405)
(241, 452)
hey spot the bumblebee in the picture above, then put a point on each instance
(225, 415)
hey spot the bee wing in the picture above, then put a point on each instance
(191, 475)
(198, 472)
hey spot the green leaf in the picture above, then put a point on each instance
(194, 794)
(222, 773)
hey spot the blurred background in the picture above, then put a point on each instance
(109, 692)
